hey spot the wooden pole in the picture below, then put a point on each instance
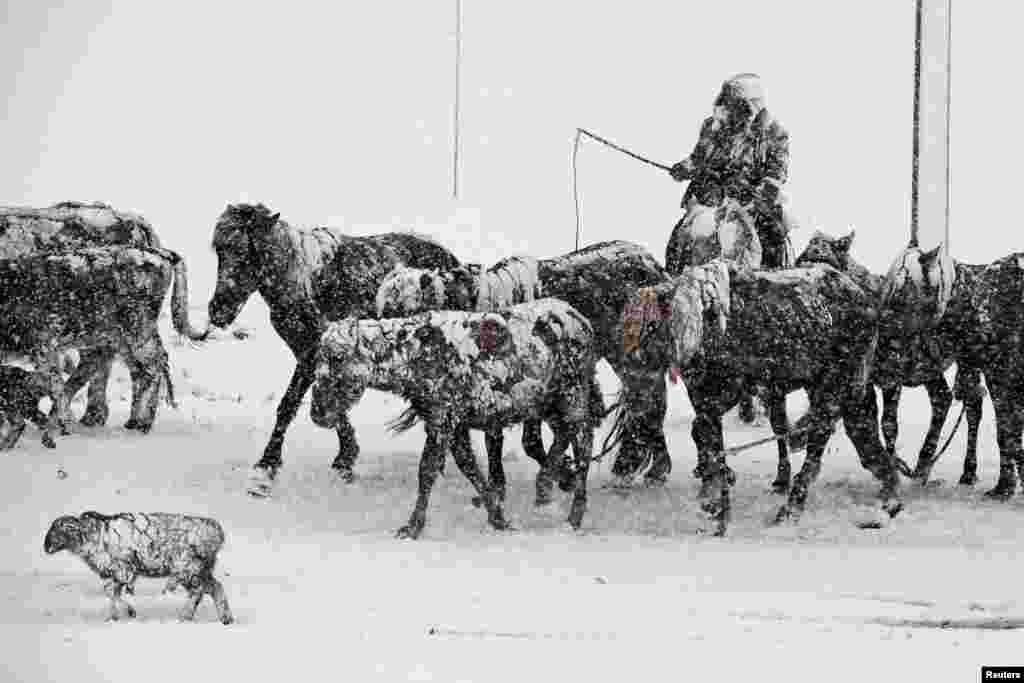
(916, 153)
(458, 65)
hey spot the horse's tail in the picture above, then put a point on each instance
(179, 299)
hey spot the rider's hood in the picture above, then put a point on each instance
(746, 87)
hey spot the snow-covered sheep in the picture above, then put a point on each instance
(460, 371)
(122, 547)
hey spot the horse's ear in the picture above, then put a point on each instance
(843, 244)
(928, 257)
(276, 217)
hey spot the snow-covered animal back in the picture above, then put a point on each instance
(460, 371)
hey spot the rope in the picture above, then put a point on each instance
(907, 471)
(458, 64)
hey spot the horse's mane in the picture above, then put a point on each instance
(512, 280)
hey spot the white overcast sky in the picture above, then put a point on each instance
(340, 113)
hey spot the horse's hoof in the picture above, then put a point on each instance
(344, 475)
(968, 480)
(786, 513)
(227, 619)
(92, 419)
(49, 442)
(130, 611)
(780, 488)
(892, 507)
(261, 482)
(1000, 494)
(408, 532)
(655, 482)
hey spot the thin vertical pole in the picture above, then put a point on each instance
(458, 64)
(949, 99)
(916, 154)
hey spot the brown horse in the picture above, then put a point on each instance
(307, 278)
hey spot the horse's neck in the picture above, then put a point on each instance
(290, 263)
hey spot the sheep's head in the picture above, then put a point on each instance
(65, 534)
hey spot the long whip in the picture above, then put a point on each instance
(607, 143)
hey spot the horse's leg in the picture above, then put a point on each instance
(435, 450)
(890, 416)
(146, 363)
(818, 433)
(1007, 435)
(780, 425)
(967, 388)
(582, 438)
(348, 450)
(653, 430)
(265, 470)
(747, 412)
(494, 441)
(94, 368)
(941, 399)
(717, 477)
(860, 418)
(974, 407)
(462, 452)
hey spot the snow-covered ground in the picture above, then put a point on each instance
(322, 591)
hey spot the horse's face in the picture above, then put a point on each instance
(237, 270)
(339, 383)
(918, 288)
(407, 291)
(835, 251)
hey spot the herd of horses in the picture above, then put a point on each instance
(87, 277)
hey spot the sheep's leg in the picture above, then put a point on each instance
(435, 449)
(195, 596)
(462, 451)
(113, 589)
(220, 600)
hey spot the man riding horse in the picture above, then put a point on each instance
(742, 154)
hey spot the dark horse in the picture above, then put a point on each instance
(919, 357)
(307, 278)
(731, 330)
(596, 280)
(996, 347)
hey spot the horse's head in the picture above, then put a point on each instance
(238, 261)
(822, 248)
(699, 309)
(918, 288)
(342, 373)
